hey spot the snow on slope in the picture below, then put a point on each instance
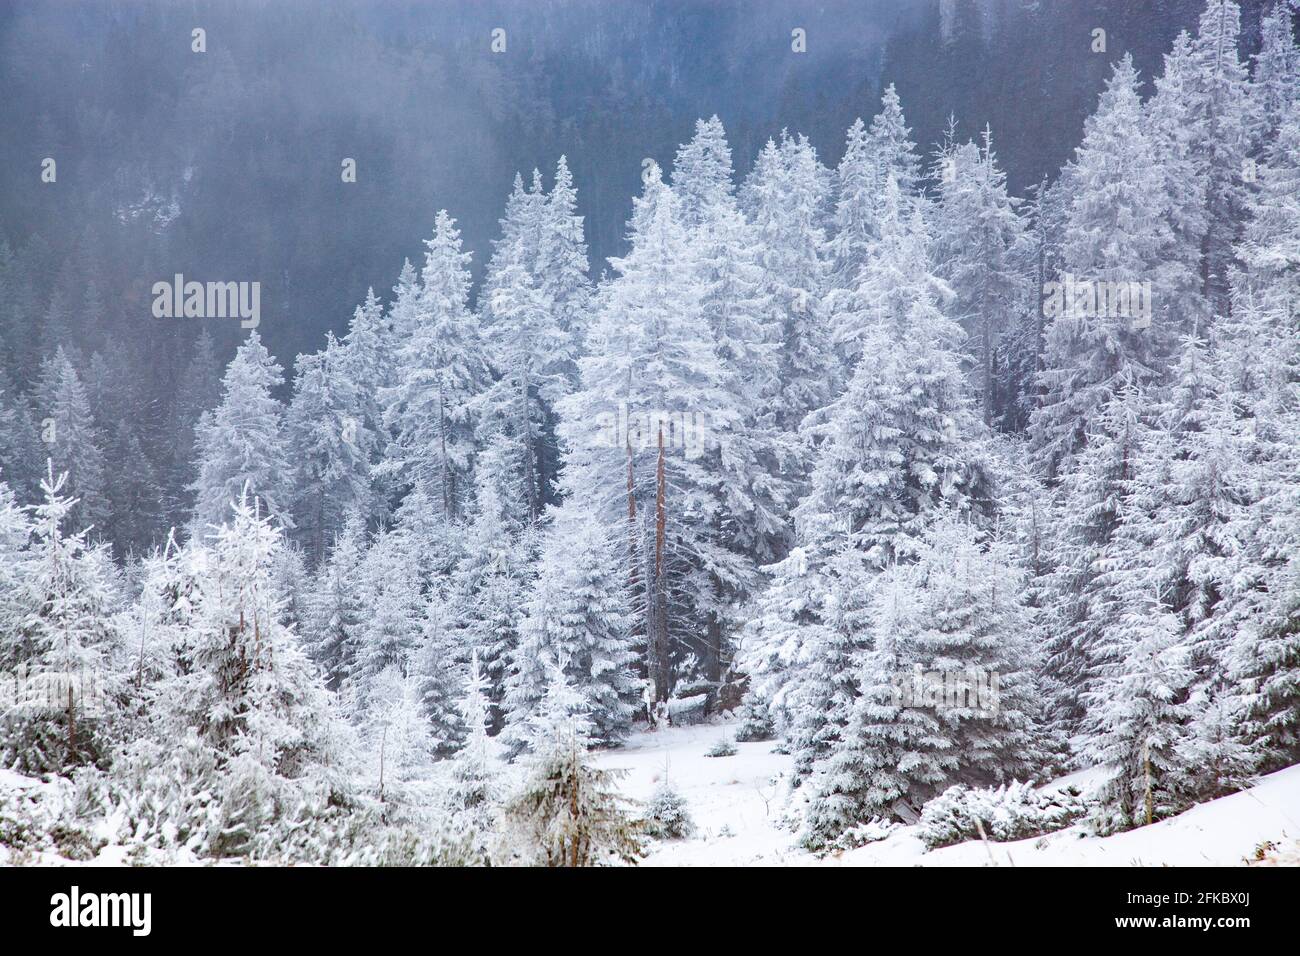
(736, 803)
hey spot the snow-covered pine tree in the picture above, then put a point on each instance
(785, 197)
(476, 770)
(749, 458)
(652, 396)
(66, 642)
(485, 590)
(948, 690)
(578, 610)
(441, 369)
(567, 812)
(1275, 84)
(530, 349)
(396, 736)
(976, 233)
(1115, 234)
(73, 442)
(1258, 621)
(391, 632)
(331, 447)
(1222, 120)
(1136, 713)
(336, 612)
(366, 361)
(1088, 511)
(242, 701)
(240, 444)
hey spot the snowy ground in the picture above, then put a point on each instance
(736, 803)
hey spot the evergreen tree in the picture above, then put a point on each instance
(240, 445)
(441, 369)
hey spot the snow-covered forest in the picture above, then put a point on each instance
(936, 487)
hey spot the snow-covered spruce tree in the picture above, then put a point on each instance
(441, 369)
(976, 234)
(331, 446)
(1115, 234)
(750, 455)
(22, 453)
(257, 747)
(872, 157)
(567, 812)
(562, 264)
(485, 590)
(15, 533)
(396, 736)
(900, 443)
(1180, 162)
(1222, 122)
(476, 771)
(1276, 80)
(135, 495)
(955, 615)
(391, 632)
(1135, 716)
(438, 664)
(1088, 511)
(365, 359)
(651, 396)
(534, 299)
(1258, 620)
(578, 610)
(336, 613)
(240, 445)
(73, 442)
(64, 643)
(786, 196)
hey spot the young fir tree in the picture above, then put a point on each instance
(396, 736)
(240, 444)
(577, 610)
(476, 770)
(956, 613)
(1115, 234)
(567, 813)
(331, 446)
(441, 369)
(73, 442)
(977, 232)
(64, 642)
(391, 632)
(242, 701)
(1135, 716)
(336, 611)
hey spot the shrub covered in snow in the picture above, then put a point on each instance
(666, 816)
(755, 720)
(723, 748)
(1011, 812)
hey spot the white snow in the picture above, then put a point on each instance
(745, 794)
